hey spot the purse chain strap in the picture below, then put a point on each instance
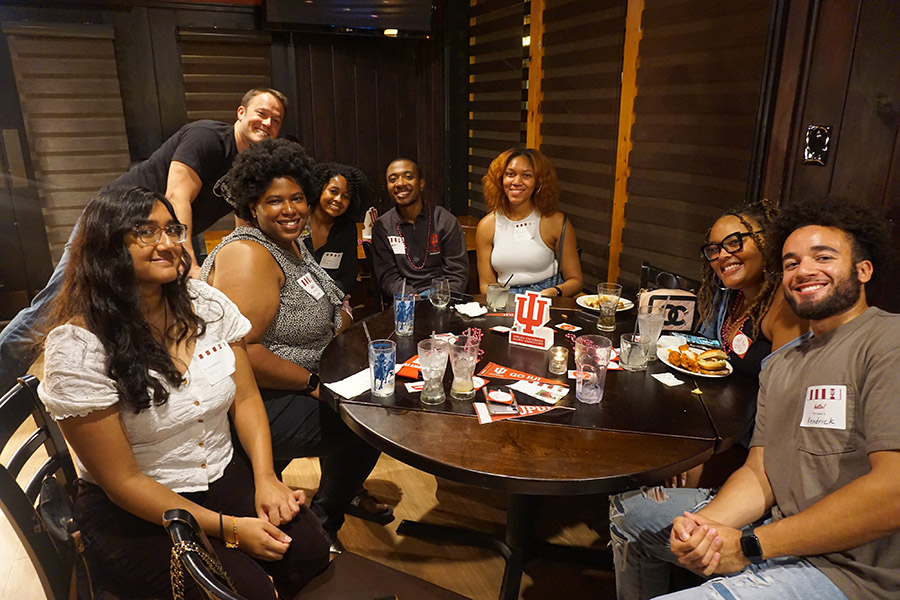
(176, 572)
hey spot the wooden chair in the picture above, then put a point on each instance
(653, 278)
(53, 562)
(348, 577)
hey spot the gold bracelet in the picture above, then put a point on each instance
(235, 543)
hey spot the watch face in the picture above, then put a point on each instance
(750, 547)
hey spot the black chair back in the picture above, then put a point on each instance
(18, 406)
(654, 278)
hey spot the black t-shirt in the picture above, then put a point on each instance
(207, 147)
(341, 240)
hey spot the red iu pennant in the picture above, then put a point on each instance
(494, 371)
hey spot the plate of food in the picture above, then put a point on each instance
(693, 361)
(590, 302)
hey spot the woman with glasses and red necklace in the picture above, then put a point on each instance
(739, 300)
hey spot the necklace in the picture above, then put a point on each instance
(731, 324)
(427, 242)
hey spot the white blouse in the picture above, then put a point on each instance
(183, 444)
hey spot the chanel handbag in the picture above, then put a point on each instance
(681, 307)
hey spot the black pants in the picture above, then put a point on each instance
(302, 426)
(133, 554)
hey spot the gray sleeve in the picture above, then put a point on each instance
(454, 255)
(385, 264)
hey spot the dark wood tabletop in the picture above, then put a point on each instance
(640, 433)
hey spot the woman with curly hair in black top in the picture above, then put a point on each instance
(295, 310)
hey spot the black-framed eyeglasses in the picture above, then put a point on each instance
(731, 243)
(150, 234)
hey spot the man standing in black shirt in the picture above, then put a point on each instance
(187, 169)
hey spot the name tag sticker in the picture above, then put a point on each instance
(312, 288)
(522, 231)
(331, 260)
(216, 362)
(397, 244)
(825, 407)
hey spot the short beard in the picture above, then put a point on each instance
(846, 293)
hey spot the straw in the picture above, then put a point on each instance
(508, 280)
(366, 329)
(403, 289)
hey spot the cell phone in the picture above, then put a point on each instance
(460, 297)
(696, 340)
(500, 400)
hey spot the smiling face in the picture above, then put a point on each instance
(281, 211)
(743, 269)
(155, 264)
(335, 197)
(260, 119)
(404, 182)
(820, 278)
(518, 181)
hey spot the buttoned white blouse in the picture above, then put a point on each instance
(183, 444)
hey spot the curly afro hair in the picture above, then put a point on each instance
(256, 167)
(357, 184)
(867, 228)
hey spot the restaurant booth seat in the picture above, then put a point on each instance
(348, 577)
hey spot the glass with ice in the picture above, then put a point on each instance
(650, 323)
(591, 359)
(433, 360)
(463, 356)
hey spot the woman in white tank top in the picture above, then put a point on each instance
(524, 242)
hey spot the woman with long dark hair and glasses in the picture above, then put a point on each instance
(146, 372)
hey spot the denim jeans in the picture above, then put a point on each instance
(537, 286)
(639, 524)
(18, 337)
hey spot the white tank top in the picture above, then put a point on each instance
(520, 252)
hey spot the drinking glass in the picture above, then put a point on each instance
(633, 352)
(608, 302)
(463, 356)
(591, 359)
(650, 323)
(497, 296)
(439, 292)
(382, 359)
(404, 313)
(433, 359)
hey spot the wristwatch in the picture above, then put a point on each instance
(558, 290)
(751, 547)
(312, 383)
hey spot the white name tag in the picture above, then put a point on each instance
(397, 244)
(216, 362)
(825, 407)
(312, 288)
(522, 231)
(331, 260)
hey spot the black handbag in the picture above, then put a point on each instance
(58, 517)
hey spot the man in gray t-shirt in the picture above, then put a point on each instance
(825, 455)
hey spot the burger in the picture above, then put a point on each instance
(713, 362)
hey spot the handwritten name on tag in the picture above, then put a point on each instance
(397, 244)
(312, 288)
(825, 407)
(331, 260)
(216, 362)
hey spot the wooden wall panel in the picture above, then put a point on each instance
(497, 94)
(68, 89)
(698, 86)
(583, 43)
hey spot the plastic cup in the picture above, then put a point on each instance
(633, 349)
(382, 361)
(433, 356)
(463, 356)
(591, 359)
(497, 296)
(439, 292)
(608, 302)
(404, 313)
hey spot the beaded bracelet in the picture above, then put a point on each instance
(234, 529)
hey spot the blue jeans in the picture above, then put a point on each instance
(639, 526)
(555, 279)
(18, 337)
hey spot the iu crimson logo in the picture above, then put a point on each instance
(531, 311)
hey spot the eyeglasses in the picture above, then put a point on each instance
(731, 243)
(150, 235)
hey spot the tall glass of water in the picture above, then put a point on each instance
(433, 359)
(650, 323)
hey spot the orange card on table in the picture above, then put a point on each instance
(411, 368)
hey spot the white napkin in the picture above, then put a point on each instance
(667, 379)
(470, 309)
(368, 221)
(354, 385)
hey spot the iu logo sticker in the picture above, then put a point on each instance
(532, 311)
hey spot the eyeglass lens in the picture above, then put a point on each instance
(151, 234)
(731, 243)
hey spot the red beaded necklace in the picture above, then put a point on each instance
(427, 242)
(730, 324)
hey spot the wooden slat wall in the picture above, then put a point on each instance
(583, 42)
(218, 67)
(69, 92)
(366, 101)
(698, 85)
(497, 78)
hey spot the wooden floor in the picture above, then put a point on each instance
(416, 495)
